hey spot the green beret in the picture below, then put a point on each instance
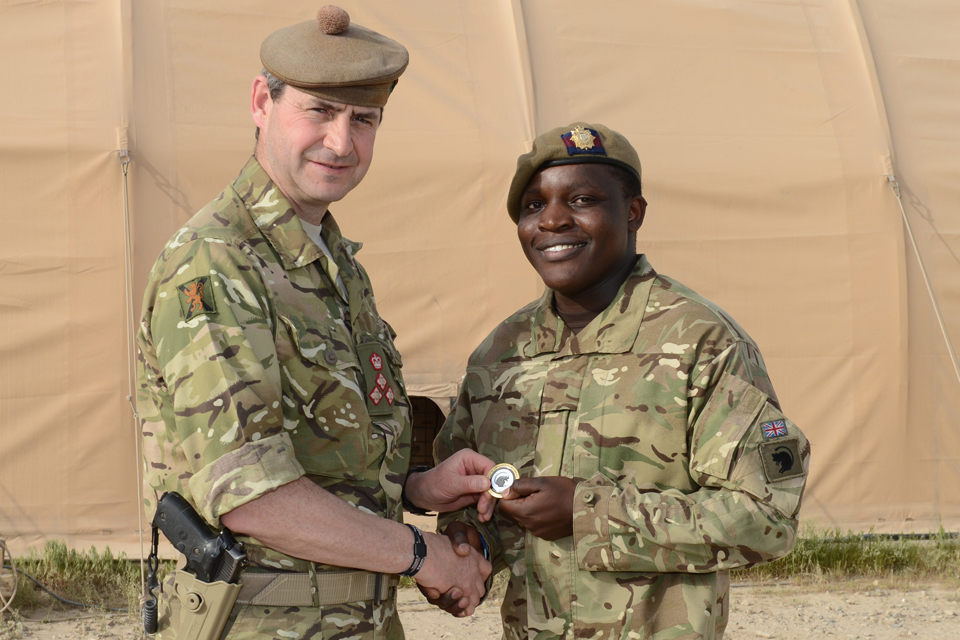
(335, 60)
(577, 143)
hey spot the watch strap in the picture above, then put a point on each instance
(419, 552)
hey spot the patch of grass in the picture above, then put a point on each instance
(831, 554)
(105, 580)
(90, 577)
(11, 626)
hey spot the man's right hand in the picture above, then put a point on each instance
(457, 482)
(457, 571)
(466, 541)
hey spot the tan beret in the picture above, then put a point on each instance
(335, 60)
(577, 143)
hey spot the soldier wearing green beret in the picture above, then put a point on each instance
(270, 390)
(652, 451)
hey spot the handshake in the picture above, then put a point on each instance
(454, 575)
(455, 572)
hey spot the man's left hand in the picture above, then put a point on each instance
(459, 481)
(543, 506)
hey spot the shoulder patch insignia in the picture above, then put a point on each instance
(196, 298)
(774, 429)
(583, 141)
(378, 378)
(781, 459)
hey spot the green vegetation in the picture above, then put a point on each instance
(98, 579)
(104, 580)
(829, 554)
(11, 626)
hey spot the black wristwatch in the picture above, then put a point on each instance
(407, 505)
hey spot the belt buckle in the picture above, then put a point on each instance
(377, 589)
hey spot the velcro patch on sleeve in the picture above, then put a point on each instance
(774, 429)
(382, 388)
(196, 298)
(781, 459)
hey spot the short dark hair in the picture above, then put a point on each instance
(629, 182)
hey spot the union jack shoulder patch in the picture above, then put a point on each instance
(774, 429)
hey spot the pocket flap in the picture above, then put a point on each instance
(561, 389)
(733, 407)
(319, 344)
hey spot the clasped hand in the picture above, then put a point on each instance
(543, 506)
(461, 574)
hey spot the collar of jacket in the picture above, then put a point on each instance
(613, 331)
(279, 223)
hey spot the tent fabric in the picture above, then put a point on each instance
(766, 131)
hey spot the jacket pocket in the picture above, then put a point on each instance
(323, 402)
(505, 411)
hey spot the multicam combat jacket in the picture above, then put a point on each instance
(255, 370)
(663, 410)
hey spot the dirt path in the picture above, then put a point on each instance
(847, 610)
(855, 609)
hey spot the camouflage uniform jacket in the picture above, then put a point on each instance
(254, 370)
(662, 409)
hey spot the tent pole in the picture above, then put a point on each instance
(131, 373)
(926, 279)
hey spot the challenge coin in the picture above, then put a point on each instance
(502, 477)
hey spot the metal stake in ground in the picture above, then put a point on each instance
(8, 577)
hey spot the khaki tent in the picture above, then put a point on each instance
(769, 133)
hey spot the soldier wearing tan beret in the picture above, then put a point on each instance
(270, 389)
(652, 453)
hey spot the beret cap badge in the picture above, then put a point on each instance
(582, 138)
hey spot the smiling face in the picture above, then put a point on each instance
(315, 150)
(578, 230)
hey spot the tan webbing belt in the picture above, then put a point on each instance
(296, 589)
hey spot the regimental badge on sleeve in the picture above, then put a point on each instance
(196, 298)
(781, 459)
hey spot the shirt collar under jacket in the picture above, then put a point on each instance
(279, 223)
(613, 331)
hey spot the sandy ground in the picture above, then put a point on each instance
(846, 610)
(854, 609)
(865, 609)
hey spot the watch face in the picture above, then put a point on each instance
(502, 477)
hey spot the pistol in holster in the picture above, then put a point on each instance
(208, 587)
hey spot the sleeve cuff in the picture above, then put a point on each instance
(488, 531)
(243, 475)
(591, 525)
